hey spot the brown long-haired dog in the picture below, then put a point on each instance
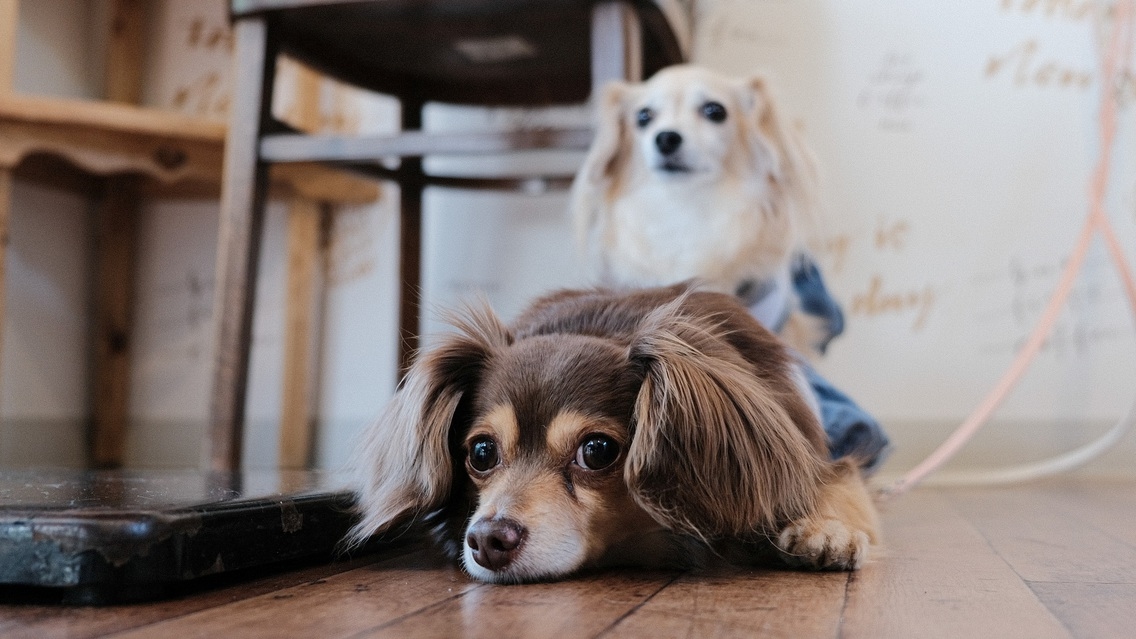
(651, 427)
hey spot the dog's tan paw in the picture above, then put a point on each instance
(824, 544)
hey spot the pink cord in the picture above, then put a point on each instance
(1119, 49)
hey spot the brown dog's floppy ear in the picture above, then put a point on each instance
(777, 147)
(405, 466)
(715, 451)
(602, 165)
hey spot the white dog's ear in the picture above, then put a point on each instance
(604, 161)
(406, 465)
(720, 446)
(777, 147)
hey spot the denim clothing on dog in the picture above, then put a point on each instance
(851, 430)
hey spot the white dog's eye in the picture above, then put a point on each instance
(644, 117)
(483, 454)
(597, 452)
(714, 111)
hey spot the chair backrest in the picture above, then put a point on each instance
(493, 52)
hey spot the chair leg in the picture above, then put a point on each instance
(617, 43)
(5, 211)
(243, 191)
(411, 186)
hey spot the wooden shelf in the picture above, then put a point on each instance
(173, 150)
(131, 151)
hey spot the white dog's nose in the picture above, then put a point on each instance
(668, 142)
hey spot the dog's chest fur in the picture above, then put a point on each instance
(722, 233)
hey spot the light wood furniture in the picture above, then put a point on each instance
(479, 52)
(1056, 559)
(134, 151)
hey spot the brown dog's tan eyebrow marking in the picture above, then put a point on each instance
(563, 434)
(569, 427)
(501, 423)
(562, 437)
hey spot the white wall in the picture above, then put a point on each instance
(43, 394)
(59, 52)
(954, 176)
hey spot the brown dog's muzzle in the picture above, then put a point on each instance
(495, 542)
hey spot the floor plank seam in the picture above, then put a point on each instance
(229, 602)
(637, 606)
(844, 604)
(400, 619)
(1053, 613)
(950, 501)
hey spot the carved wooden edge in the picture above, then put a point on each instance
(166, 159)
(104, 152)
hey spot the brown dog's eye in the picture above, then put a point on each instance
(483, 454)
(644, 117)
(714, 112)
(597, 452)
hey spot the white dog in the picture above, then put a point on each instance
(696, 175)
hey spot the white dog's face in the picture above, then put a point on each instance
(692, 174)
(685, 127)
(691, 125)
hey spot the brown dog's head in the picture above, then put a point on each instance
(591, 431)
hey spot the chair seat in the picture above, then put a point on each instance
(491, 52)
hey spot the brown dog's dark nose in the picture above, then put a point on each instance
(668, 141)
(494, 542)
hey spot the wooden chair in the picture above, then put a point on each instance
(476, 52)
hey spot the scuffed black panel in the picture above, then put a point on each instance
(114, 536)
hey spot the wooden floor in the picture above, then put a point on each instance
(1050, 560)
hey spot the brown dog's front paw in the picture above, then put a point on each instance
(825, 544)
